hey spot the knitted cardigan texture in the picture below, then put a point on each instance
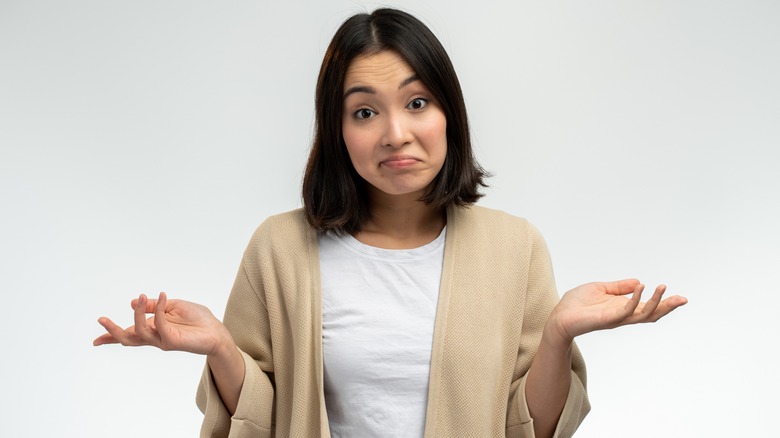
(496, 292)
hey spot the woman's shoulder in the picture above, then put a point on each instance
(489, 219)
(287, 222)
(287, 232)
(481, 227)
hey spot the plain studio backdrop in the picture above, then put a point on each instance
(142, 142)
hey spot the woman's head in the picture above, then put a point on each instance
(334, 195)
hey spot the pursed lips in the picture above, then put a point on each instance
(399, 161)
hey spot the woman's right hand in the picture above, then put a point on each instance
(175, 325)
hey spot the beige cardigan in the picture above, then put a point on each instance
(497, 290)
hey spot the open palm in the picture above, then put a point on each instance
(176, 325)
(599, 306)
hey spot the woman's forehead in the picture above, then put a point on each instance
(386, 67)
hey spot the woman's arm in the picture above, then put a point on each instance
(183, 326)
(547, 384)
(587, 308)
(228, 368)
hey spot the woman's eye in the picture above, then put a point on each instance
(363, 113)
(417, 104)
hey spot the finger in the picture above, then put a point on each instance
(123, 336)
(103, 339)
(667, 306)
(647, 309)
(150, 304)
(621, 287)
(141, 327)
(159, 315)
(636, 298)
(159, 309)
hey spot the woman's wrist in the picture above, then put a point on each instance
(224, 349)
(554, 336)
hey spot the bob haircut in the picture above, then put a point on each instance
(334, 195)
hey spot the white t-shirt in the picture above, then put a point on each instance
(378, 312)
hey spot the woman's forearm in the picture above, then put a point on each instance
(547, 383)
(228, 369)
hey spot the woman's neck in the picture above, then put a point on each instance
(401, 222)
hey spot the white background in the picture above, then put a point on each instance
(142, 142)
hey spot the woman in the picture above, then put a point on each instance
(390, 305)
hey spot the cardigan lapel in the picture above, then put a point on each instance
(316, 325)
(440, 326)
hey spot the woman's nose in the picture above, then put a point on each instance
(397, 131)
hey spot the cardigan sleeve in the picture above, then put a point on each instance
(541, 298)
(247, 320)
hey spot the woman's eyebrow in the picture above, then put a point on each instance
(359, 89)
(372, 90)
(408, 81)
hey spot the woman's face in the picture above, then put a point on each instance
(395, 132)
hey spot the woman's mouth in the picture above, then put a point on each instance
(399, 161)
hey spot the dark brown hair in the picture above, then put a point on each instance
(334, 195)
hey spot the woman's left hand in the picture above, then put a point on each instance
(599, 306)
